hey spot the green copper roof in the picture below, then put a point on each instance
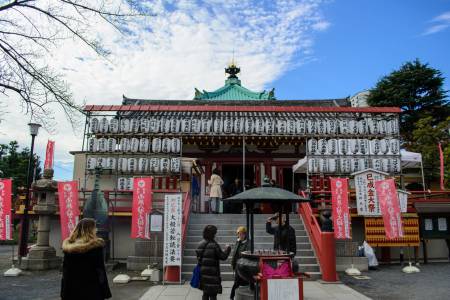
(232, 90)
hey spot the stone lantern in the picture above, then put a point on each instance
(42, 256)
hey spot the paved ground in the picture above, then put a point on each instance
(313, 290)
(389, 283)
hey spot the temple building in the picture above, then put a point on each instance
(246, 136)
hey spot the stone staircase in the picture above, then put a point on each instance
(227, 225)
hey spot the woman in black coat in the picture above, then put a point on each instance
(84, 275)
(209, 255)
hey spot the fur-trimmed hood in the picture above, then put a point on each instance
(80, 246)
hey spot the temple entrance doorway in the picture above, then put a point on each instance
(232, 176)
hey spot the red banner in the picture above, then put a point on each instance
(341, 216)
(142, 205)
(69, 210)
(390, 208)
(5, 209)
(49, 154)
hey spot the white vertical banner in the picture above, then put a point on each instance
(172, 230)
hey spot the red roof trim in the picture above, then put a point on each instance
(229, 108)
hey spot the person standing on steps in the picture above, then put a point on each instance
(286, 240)
(240, 246)
(209, 255)
(215, 191)
(84, 275)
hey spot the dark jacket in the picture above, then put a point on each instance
(288, 240)
(84, 275)
(239, 247)
(209, 255)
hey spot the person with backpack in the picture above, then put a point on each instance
(209, 255)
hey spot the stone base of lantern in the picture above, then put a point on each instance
(41, 258)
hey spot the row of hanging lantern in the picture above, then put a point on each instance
(136, 165)
(350, 165)
(156, 145)
(288, 125)
(353, 147)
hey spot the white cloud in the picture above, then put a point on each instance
(189, 44)
(440, 23)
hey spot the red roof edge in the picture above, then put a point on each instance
(259, 108)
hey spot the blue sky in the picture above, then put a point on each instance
(306, 49)
(366, 40)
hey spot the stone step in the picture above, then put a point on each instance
(229, 232)
(299, 259)
(234, 226)
(229, 276)
(267, 245)
(232, 239)
(300, 252)
(224, 267)
(233, 221)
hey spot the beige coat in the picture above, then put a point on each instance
(216, 186)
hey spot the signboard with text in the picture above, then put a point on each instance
(366, 196)
(5, 209)
(172, 230)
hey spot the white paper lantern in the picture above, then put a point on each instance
(354, 164)
(101, 162)
(312, 146)
(166, 145)
(111, 145)
(134, 145)
(121, 183)
(142, 165)
(344, 126)
(386, 165)
(394, 146)
(395, 165)
(313, 165)
(176, 145)
(249, 125)
(382, 124)
(130, 181)
(332, 146)
(281, 126)
(94, 125)
(259, 125)
(154, 165)
(343, 147)
(353, 146)
(92, 144)
(332, 163)
(393, 126)
(103, 125)
(156, 145)
(291, 127)
(372, 125)
(91, 163)
(153, 125)
(164, 165)
(332, 126)
(102, 144)
(134, 125)
(145, 125)
(175, 125)
(377, 164)
(375, 147)
(143, 145)
(186, 125)
(125, 145)
(270, 126)
(345, 165)
(175, 165)
(301, 126)
(111, 163)
(132, 165)
(322, 146)
(384, 146)
(217, 125)
(311, 126)
(353, 126)
(364, 164)
(206, 125)
(363, 146)
(323, 165)
(362, 126)
(125, 125)
(114, 125)
(321, 126)
(122, 164)
(166, 125)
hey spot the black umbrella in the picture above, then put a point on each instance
(265, 194)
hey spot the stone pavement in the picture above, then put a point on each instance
(312, 290)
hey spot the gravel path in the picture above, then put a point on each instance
(389, 282)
